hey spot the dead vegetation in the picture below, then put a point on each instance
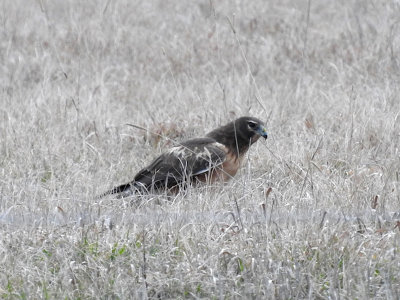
(314, 212)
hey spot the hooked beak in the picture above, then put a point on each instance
(262, 131)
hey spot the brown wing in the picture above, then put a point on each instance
(181, 163)
(178, 166)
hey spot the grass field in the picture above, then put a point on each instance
(315, 210)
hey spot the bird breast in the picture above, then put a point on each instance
(231, 165)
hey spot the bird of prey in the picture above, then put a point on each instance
(215, 157)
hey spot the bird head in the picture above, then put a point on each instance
(252, 128)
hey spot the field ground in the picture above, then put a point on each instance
(315, 210)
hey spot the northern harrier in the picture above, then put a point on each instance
(215, 157)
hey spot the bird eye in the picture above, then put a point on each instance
(252, 124)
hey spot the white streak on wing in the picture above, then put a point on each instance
(182, 153)
(206, 154)
(201, 171)
(179, 151)
(222, 147)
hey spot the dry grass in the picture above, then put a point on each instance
(319, 204)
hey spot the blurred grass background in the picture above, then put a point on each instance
(318, 201)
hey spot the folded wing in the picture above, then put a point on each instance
(178, 166)
(181, 163)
